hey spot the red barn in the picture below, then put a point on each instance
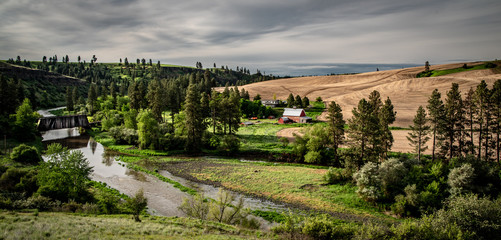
(296, 115)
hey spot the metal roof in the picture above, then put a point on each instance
(294, 112)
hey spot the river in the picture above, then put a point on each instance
(163, 198)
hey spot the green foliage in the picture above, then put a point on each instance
(196, 207)
(230, 144)
(25, 154)
(137, 204)
(334, 176)
(479, 216)
(124, 135)
(64, 175)
(368, 182)
(147, 130)
(418, 136)
(323, 227)
(461, 179)
(25, 123)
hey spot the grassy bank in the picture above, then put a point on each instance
(296, 185)
(52, 225)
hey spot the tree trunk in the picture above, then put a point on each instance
(433, 147)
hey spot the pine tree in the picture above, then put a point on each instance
(481, 100)
(92, 98)
(387, 117)
(134, 96)
(436, 115)
(306, 102)
(453, 122)
(74, 97)
(418, 136)
(290, 101)
(298, 102)
(215, 107)
(69, 99)
(469, 110)
(496, 112)
(194, 121)
(362, 126)
(336, 127)
(155, 98)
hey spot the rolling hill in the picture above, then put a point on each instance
(406, 91)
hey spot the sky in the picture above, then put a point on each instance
(280, 37)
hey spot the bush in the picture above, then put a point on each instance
(37, 202)
(25, 154)
(230, 144)
(392, 173)
(461, 179)
(123, 135)
(322, 227)
(368, 182)
(479, 216)
(334, 175)
(137, 204)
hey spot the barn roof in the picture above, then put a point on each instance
(293, 112)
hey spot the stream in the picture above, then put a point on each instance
(163, 198)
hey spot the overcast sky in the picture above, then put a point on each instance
(276, 36)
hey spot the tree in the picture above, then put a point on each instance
(25, 123)
(290, 101)
(306, 102)
(25, 154)
(386, 118)
(418, 136)
(137, 204)
(92, 98)
(426, 66)
(362, 126)
(453, 121)
(298, 102)
(481, 99)
(436, 113)
(257, 97)
(496, 100)
(69, 99)
(156, 98)
(193, 122)
(336, 127)
(469, 110)
(64, 175)
(147, 128)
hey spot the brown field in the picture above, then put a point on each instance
(406, 91)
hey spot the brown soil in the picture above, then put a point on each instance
(406, 91)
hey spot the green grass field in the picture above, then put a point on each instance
(292, 184)
(54, 225)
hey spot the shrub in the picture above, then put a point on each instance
(322, 227)
(479, 216)
(123, 135)
(284, 141)
(230, 144)
(137, 204)
(25, 154)
(90, 208)
(392, 173)
(461, 179)
(334, 175)
(368, 182)
(313, 157)
(36, 202)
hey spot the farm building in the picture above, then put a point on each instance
(270, 103)
(294, 115)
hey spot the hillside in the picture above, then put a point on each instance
(46, 88)
(406, 91)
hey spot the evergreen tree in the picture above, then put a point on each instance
(436, 115)
(290, 101)
(19, 91)
(362, 126)
(481, 100)
(156, 95)
(418, 136)
(427, 66)
(134, 96)
(306, 102)
(496, 112)
(215, 108)
(387, 117)
(336, 127)
(69, 99)
(234, 112)
(469, 110)
(193, 122)
(453, 122)
(298, 102)
(92, 98)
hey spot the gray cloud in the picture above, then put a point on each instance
(255, 34)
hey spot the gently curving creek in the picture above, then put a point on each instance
(163, 198)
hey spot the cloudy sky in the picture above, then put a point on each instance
(298, 37)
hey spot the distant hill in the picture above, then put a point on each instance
(49, 89)
(406, 91)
